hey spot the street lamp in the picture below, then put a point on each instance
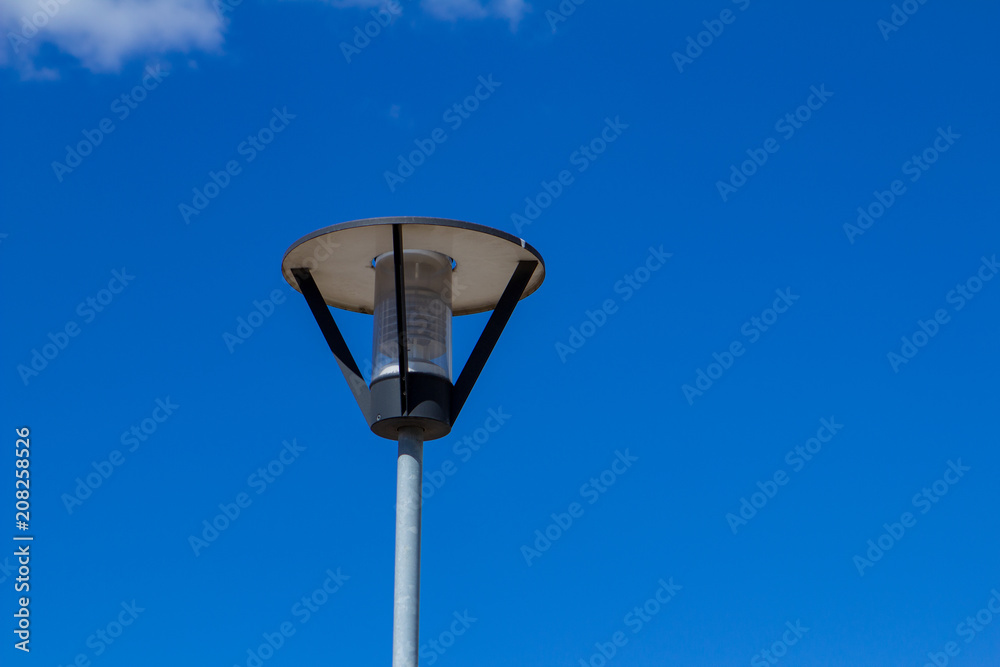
(445, 268)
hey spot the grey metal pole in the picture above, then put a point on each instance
(406, 591)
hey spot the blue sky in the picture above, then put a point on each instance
(770, 377)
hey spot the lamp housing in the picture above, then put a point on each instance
(445, 268)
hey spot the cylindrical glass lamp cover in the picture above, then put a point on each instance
(427, 281)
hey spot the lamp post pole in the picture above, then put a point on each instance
(406, 590)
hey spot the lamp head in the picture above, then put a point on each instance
(413, 275)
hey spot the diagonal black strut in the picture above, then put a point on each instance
(334, 339)
(491, 334)
(404, 361)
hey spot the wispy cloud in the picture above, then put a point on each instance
(452, 10)
(103, 34)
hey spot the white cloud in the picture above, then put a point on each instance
(103, 34)
(512, 10)
(452, 10)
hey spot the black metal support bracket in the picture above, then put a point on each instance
(335, 340)
(401, 337)
(491, 334)
(446, 414)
